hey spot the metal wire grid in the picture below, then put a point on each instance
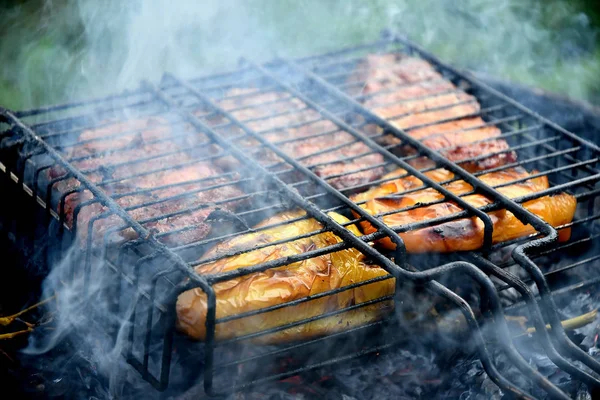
(569, 163)
(318, 181)
(572, 351)
(305, 172)
(577, 168)
(590, 176)
(108, 202)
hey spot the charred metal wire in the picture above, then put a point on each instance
(348, 237)
(521, 253)
(565, 156)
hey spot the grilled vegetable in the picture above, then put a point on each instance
(465, 233)
(284, 284)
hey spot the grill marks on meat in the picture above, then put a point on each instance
(157, 179)
(288, 123)
(169, 204)
(118, 136)
(380, 72)
(413, 97)
(394, 207)
(157, 143)
(474, 132)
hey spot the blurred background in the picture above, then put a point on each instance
(58, 50)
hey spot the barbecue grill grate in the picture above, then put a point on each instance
(316, 88)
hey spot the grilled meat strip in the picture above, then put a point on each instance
(165, 209)
(284, 284)
(289, 123)
(151, 174)
(396, 209)
(414, 97)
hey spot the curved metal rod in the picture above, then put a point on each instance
(115, 306)
(537, 318)
(520, 212)
(22, 162)
(97, 192)
(315, 212)
(520, 254)
(498, 314)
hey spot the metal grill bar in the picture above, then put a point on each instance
(521, 213)
(367, 249)
(521, 253)
(265, 76)
(100, 196)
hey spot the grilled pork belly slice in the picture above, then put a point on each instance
(415, 98)
(133, 156)
(349, 163)
(140, 133)
(284, 284)
(178, 213)
(423, 111)
(464, 141)
(379, 72)
(462, 234)
(189, 203)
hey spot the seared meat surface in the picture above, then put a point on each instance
(303, 134)
(164, 198)
(380, 72)
(396, 208)
(155, 172)
(415, 98)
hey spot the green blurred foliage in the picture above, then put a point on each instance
(53, 51)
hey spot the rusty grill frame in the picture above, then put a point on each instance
(23, 143)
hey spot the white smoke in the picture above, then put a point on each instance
(119, 43)
(79, 48)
